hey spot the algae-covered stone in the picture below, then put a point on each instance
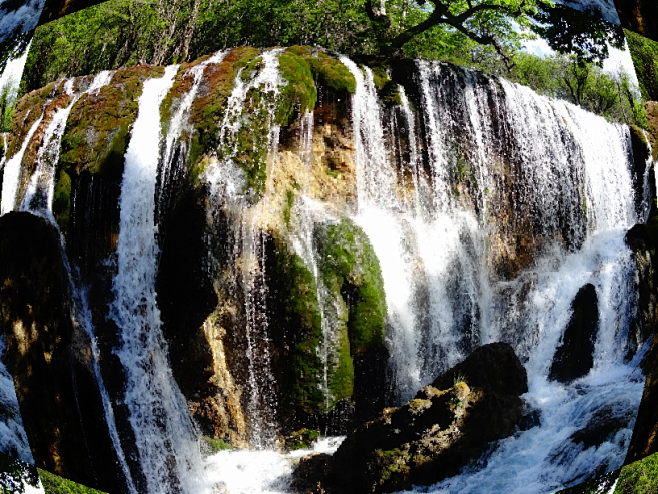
(27, 111)
(349, 265)
(301, 439)
(98, 128)
(296, 313)
(299, 94)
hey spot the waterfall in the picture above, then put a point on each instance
(248, 241)
(38, 200)
(38, 197)
(164, 433)
(12, 172)
(573, 199)
(179, 121)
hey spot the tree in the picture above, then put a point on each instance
(500, 24)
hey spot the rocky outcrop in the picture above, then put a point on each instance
(49, 356)
(575, 356)
(639, 16)
(447, 424)
(642, 239)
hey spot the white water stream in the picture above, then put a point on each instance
(164, 433)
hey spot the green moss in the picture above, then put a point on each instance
(640, 477)
(302, 439)
(299, 93)
(290, 200)
(299, 316)
(28, 109)
(393, 465)
(53, 484)
(332, 73)
(210, 446)
(98, 128)
(349, 266)
(62, 201)
(207, 111)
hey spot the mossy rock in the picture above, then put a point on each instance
(211, 446)
(27, 111)
(296, 313)
(299, 94)
(332, 73)
(208, 111)
(349, 266)
(301, 439)
(98, 128)
(53, 484)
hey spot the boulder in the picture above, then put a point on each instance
(431, 437)
(574, 357)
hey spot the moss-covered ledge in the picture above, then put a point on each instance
(97, 134)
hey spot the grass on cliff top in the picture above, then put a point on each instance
(53, 484)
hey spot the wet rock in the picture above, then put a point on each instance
(574, 357)
(432, 436)
(49, 356)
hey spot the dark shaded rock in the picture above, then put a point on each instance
(49, 356)
(184, 280)
(642, 239)
(530, 420)
(639, 16)
(574, 357)
(431, 437)
(493, 367)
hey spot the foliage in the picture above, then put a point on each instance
(15, 475)
(7, 104)
(120, 33)
(579, 33)
(645, 58)
(53, 484)
(612, 96)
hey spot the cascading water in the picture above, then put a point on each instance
(179, 122)
(164, 433)
(571, 175)
(484, 166)
(38, 197)
(12, 173)
(247, 239)
(38, 200)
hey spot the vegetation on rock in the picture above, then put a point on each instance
(432, 436)
(53, 484)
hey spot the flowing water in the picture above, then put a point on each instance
(38, 197)
(12, 171)
(164, 433)
(228, 185)
(572, 174)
